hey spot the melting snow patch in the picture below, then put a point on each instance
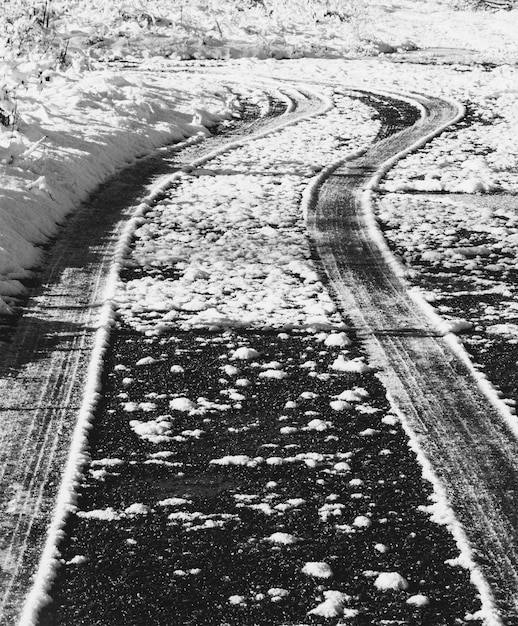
(282, 539)
(78, 559)
(418, 600)
(390, 581)
(237, 599)
(338, 340)
(245, 354)
(106, 515)
(505, 330)
(362, 522)
(174, 502)
(333, 605)
(340, 405)
(236, 459)
(107, 462)
(155, 431)
(182, 404)
(230, 370)
(357, 394)
(277, 594)
(317, 569)
(147, 360)
(357, 365)
(137, 509)
(276, 374)
(381, 548)
(454, 326)
(319, 425)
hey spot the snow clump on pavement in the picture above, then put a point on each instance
(317, 570)
(390, 581)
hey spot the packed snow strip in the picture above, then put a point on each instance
(442, 512)
(234, 233)
(73, 134)
(475, 245)
(489, 611)
(78, 457)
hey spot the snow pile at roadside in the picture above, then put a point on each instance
(402, 23)
(72, 135)
(234, 235)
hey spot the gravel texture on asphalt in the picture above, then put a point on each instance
(213, 518)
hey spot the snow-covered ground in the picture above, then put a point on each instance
(238, 240)
(74, 114)
(69, 121)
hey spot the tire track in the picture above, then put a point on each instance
(465, 437)
(45, 370)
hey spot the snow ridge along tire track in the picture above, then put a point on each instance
(48, 496)
(455, 421)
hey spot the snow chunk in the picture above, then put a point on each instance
(137, 509)
(390, 581)
(319, 425)
(276, 374)
(333, 605)
(455, 326)
(340, 405)
(381, 548)
(339, 340)
(356, 365)
(282, 539)
(357, 394)
(147, 360)
(277, 593)
(317, 569)
(505, 330)
(418, 600)
(106, 515)
(78, 559)
(230, 370)
(237, 599)
(362, 522)
(156, 431)
(174, 502)
(236, 459)
(111, 462)
(182, 404)
(245, 354)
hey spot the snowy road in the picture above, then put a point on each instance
(44, 375)
(44, 371)
(464, 436)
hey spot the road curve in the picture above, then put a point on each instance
(461, 432)
(44, 369)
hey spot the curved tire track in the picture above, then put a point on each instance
(465, 437)
(46, 369)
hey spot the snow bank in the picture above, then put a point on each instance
(72, 135)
